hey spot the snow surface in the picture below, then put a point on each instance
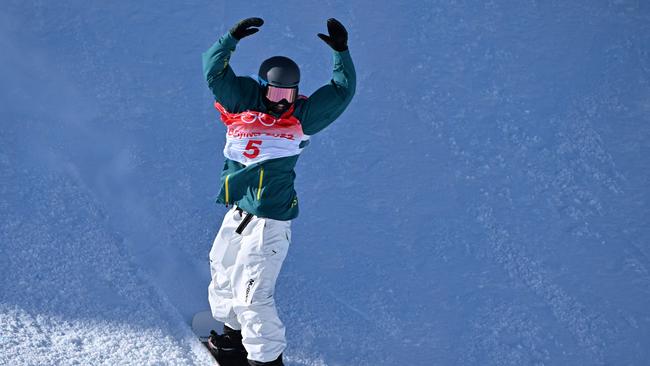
(483, 201)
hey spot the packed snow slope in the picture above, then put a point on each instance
(483, 201)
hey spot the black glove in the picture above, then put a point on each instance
(338, 36)
(245, 28)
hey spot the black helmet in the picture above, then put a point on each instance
(280, 71)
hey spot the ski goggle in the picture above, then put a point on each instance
(276, 94)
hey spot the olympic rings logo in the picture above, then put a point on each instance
(250, 117)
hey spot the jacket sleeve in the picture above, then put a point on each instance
(328, 102)
(235, 93)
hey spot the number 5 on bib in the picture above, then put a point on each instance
(252, 149)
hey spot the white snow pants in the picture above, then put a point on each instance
(244, 271)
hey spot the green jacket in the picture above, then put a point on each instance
(266, 189)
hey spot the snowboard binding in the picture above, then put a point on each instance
(227, 348)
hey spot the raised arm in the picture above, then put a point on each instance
(329, 101)
(233, 92)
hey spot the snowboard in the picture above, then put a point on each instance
(202, 324)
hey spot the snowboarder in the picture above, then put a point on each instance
(268, 125)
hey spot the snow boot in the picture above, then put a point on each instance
(277, 362)
(227, 348)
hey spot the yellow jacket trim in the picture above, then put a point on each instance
(259, 188)
(227, 193)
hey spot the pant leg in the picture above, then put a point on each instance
(264, 246)
(223, 256)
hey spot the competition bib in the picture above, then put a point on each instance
(253, 137)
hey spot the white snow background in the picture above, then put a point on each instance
(483, 201)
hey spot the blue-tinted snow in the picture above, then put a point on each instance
(483, 201)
